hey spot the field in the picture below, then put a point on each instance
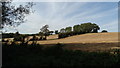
(36, 56)
(84, 38)
(86, 42)
(99, 50)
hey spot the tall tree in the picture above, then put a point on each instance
(89, 27)
(77, 29)
(68, 29)
(12, 15)
(51, 32)
(62, 30)
(86, 27)
(56, 31)
(45, 31)
(95, 28)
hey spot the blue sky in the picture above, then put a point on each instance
(63, 14)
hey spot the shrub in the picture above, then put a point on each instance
(34, 56)
(62, 35)
(103, 31)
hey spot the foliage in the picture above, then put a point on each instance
(104, 31)
(34, 38)
(51, 32)
(12, 15)
(8, 35)
(89, 27)
(62, 30)
(79, 29)
(56, 32)
(62, 35)
(44, 31)
(17, 33)
(34, 56)
(18, 37)
(68, 29)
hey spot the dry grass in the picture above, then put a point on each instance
(84, 38)
(51, 37)
(86, 42)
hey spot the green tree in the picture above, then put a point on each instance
(17, 33)
(68, 29)
(62, 30)
(51, 32)
(86, 28)
(77, 29)
(12, 15)
(95, 28)
(45, 31)
(56, 31)
(89, 27)
(104, 31)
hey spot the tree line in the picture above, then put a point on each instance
(19, 13)
(64, 32)
(79, 29)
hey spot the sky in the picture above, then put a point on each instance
(64, 14)
(66, 0)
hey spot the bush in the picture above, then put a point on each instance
(104, 31)
(37, 56)
(62, 35)
(18, 38)
(41, 38)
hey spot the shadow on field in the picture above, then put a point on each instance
(38, 56)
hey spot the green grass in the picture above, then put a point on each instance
(37, 56)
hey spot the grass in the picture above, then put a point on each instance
(38, 56)
(111, 37)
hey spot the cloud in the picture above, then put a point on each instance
(63, 14)
(112, 26)
(66, 0)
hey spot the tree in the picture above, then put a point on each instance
(12, 15)
(68, 29)
(62, 30)
(34, 39)
(86, 27)
(56, 31)
(89, 27)
(103, 31)
(17, 33)
(41, 35)
(51, 32)
(77, 29)
(95, 28)
(18, 38)
(45, 31)
(65, 32)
